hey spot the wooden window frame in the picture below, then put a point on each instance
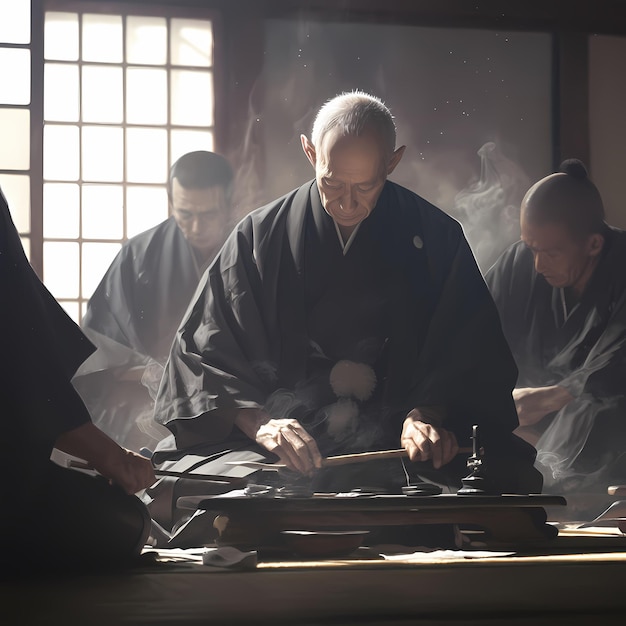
(38, 11)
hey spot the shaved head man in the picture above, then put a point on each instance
(562, 222)
(561, 295)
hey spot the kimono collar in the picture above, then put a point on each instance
(325, 223)
(295, 220)
(308, 196)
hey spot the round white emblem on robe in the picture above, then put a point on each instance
(350, 379)
(417, 242)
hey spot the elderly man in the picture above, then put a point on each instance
(56, 517)
(561, 293)
(134, 313)
(347, 316)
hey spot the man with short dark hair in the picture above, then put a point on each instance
(561, 293)
(347, 316)
(134, 312)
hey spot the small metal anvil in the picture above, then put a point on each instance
(476, 483)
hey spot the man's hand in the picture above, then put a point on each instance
(284, 437)
(123, 467)
(424, 441)
(534, 403)
(130, 471)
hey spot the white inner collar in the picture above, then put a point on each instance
(567, 311)
(346, 246)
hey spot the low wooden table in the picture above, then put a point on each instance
(506, 520)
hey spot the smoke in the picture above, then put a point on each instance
(564, 440)
(247, 160)
(332, 406)
(488, 208)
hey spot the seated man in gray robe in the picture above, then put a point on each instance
(135, 311)
(346, 316)
(561, 293)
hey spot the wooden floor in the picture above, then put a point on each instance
(577, 581)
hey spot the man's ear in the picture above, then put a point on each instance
(309, 150)
(595, 243)
(395, 159)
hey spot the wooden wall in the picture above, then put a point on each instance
(240, 47)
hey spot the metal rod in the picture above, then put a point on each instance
(222, 480)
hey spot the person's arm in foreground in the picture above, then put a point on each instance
(130, 471)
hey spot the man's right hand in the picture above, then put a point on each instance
(130, 471)
(424, 441)
(284, 437)
(123, 467)
(534, 403)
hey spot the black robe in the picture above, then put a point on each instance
(583, 445)
(40, 349)
(248, 335)
(52, 516)
(132, 318)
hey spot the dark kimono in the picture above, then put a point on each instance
(51, 515)
(281, 306)
(581, 348)
(132, 318)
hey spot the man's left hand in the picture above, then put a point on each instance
(424, 441)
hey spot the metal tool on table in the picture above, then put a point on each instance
(208, 478)
(615, 514)
(476, 483)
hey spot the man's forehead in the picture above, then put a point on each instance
(198, 200)
(337, 142)
(544, 235)
(352, 154)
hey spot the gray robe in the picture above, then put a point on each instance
(131, 318)
(583, 445)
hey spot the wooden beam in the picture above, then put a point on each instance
(36, 137)
(240, 124)
(571, 97)
(599, 16)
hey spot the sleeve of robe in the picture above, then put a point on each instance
(41, 348)
(222, 357)
(109, 321)
(109, 325)
(468, 367)
(603, 372)
(466, 364)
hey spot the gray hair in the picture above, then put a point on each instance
(352, 113)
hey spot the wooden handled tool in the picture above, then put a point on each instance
(342, 459)
(362, 457)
